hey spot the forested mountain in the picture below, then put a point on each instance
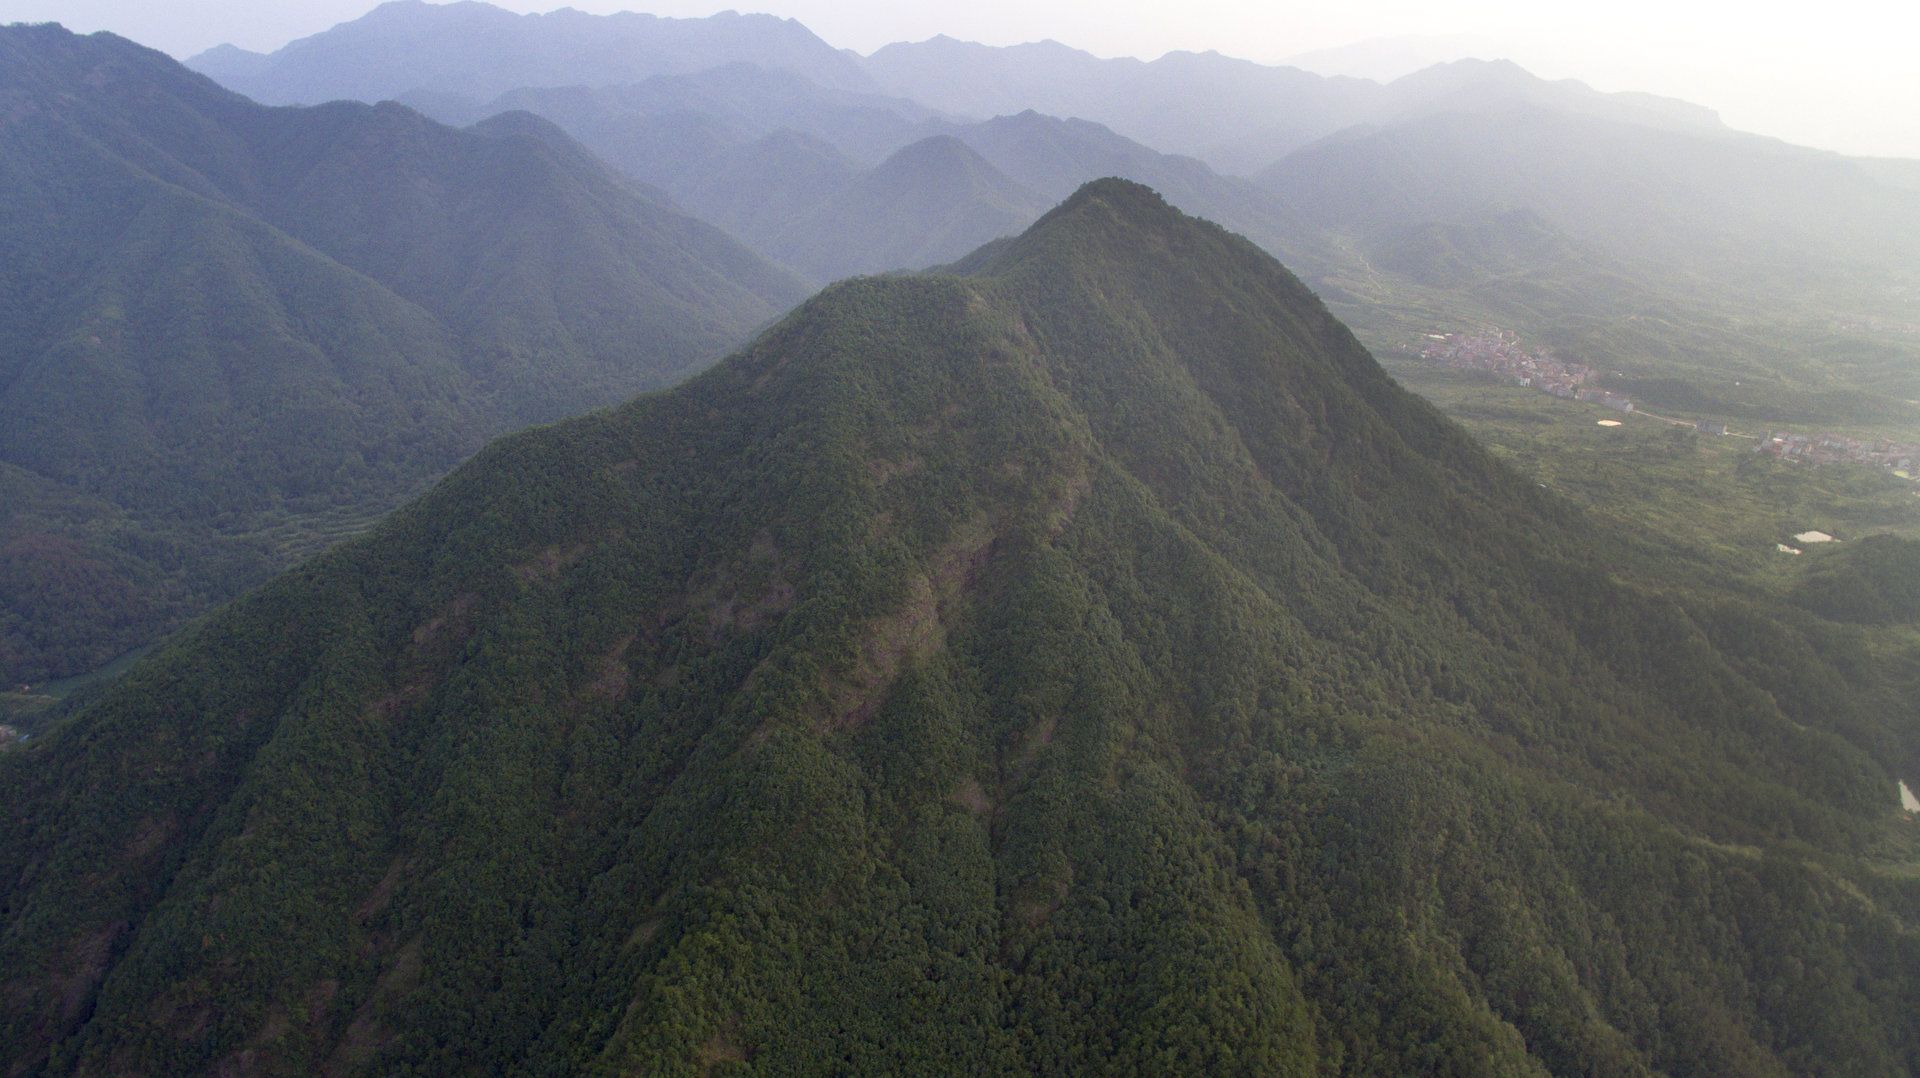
(228, 332)
(1055, 156)
(756, 190)
(1087, 661)
(476, 50)
(803, 202)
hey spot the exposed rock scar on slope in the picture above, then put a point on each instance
(73, 981)
(547, 563)
(611, 684)
(970, 795)
(367, 1034)
(914, 631)
(428, 656)
(748, 592)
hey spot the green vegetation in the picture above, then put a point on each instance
(231, 334)
(1874, 582)
(1707, 500)
(1089, 660)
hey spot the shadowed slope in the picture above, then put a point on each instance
(252, 329)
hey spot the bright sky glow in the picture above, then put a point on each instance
(1839, 75)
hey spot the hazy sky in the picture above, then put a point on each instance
(1841, 74)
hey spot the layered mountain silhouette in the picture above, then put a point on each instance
(1733, 254)
(930, 203)
(1084, 660)
(781, 166)
(1235, 114)
(648, 128)
(228, 332)
(1651, 193)
(478, 51)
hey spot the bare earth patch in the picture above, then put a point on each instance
(970, 796)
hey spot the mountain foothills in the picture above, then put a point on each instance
(230, 333)
(1086, 659)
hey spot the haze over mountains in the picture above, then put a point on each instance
(1667, 207)
(478, 50)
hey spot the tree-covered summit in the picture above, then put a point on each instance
(1085, 660)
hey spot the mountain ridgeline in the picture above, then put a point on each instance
(478, 50)
(1084, 660)
(229, 333)
(1760, 283)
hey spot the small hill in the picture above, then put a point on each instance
(1087, 660)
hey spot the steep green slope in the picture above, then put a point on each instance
(246, 329)
(1875, 581)
(1087, 662)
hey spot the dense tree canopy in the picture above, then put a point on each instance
(1088, 661)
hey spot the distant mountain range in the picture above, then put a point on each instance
(221, 320)
(1236, 115)
(480, 51)
(780, 164)
(1453, 141)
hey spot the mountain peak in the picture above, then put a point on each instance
(1052, 665)
(1107, 215)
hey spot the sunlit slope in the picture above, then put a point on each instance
(1088, 662)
